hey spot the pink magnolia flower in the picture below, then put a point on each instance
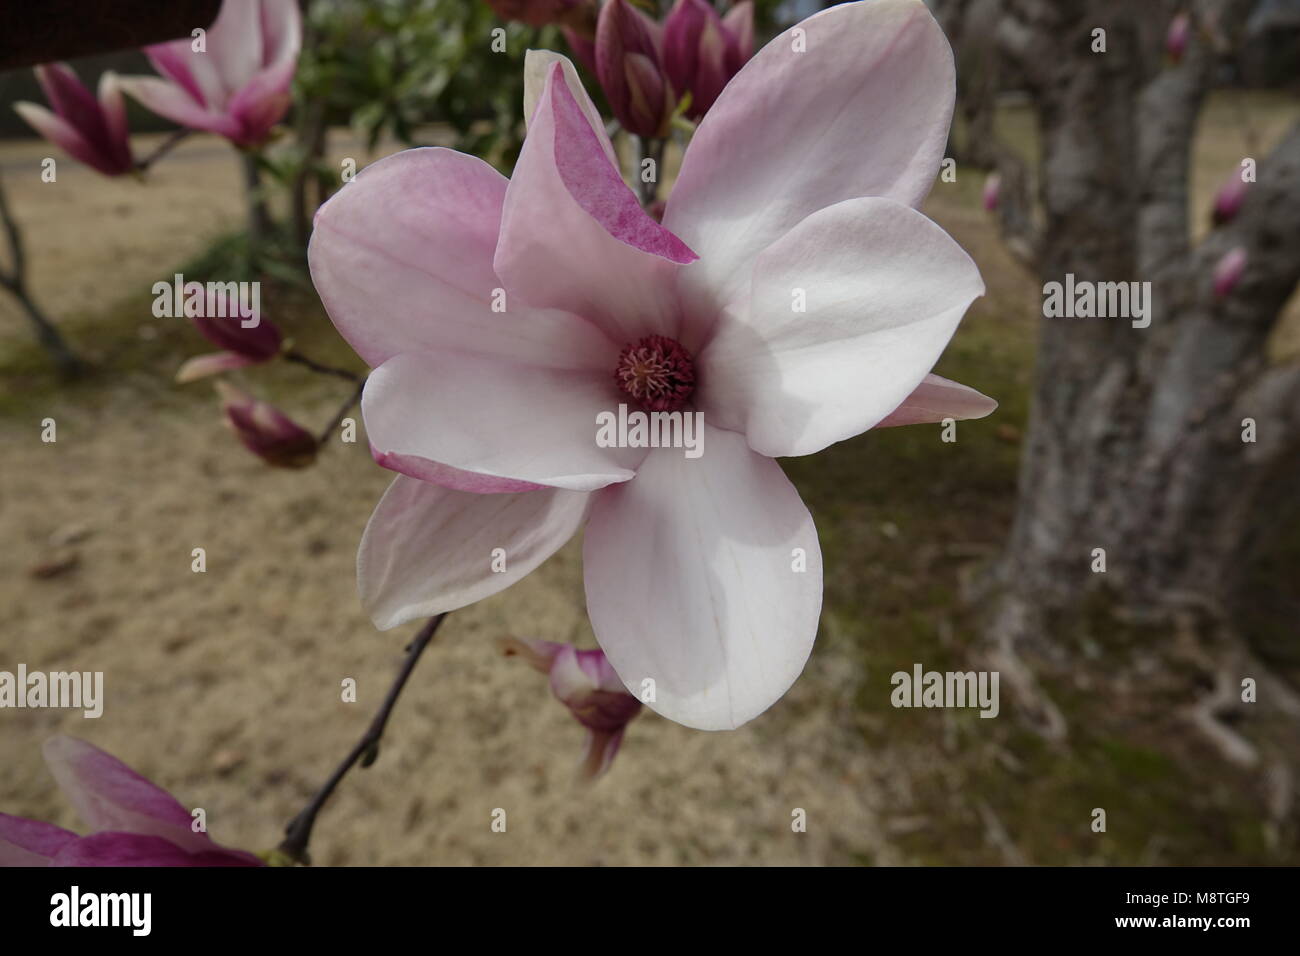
(240, 346)
(629, 64)
(90, 130)
(1180, 28)
(798, 190)
(1229, 199)
(266, 431)
(992, 191)
(584, 682)
(238, 85)
(132, 821)
(702, 50)
(1228, 272)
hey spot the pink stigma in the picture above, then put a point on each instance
(657, 372)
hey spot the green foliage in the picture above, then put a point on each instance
(388, 67)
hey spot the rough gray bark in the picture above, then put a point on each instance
(1135, 439)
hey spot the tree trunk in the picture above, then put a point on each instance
(1135, 443)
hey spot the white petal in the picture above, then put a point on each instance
(883, 289)
(429, 549)
(691, 582)
(504, 421)
(864, 110)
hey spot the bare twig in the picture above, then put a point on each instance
(366, 750)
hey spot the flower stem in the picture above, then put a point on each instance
(165, 147)
(298, 833)
(652, 149)
(293, 355)
(69, 363)
(342, 412)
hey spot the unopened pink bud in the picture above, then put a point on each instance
(266, 431)
(703, 51)
(629, 64)
(585, 682)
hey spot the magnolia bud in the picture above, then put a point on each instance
(584, 682)
(629, 65)
(265, 430)
(703, 51)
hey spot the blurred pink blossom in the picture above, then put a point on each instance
(792, 285)
(265, 430)
(992, 190)
(584, 682)
(1228, 200)
(237, 85)
(90, 130)
(1228, 272)
(132, 822)
(1180, 28)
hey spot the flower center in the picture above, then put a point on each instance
(657, 373)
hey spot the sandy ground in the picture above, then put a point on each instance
(225, 686)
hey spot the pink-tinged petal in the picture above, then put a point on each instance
(264, 98)
(425, 470)
(281, 31)
(537, 67)
(599, 751)
(214, 363)
(59, 132)
(234, 43)
(132, 849)
(172, 102)
(402, 258)
(692, 581)
(173, 61)
(504, 421)
(574, 237)
(864, 111)
(26, 842)
(882, 290)
(109, 795)
(428, 549)
(936, 399)
(70, 98)
(113, 105)
(739, 23)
